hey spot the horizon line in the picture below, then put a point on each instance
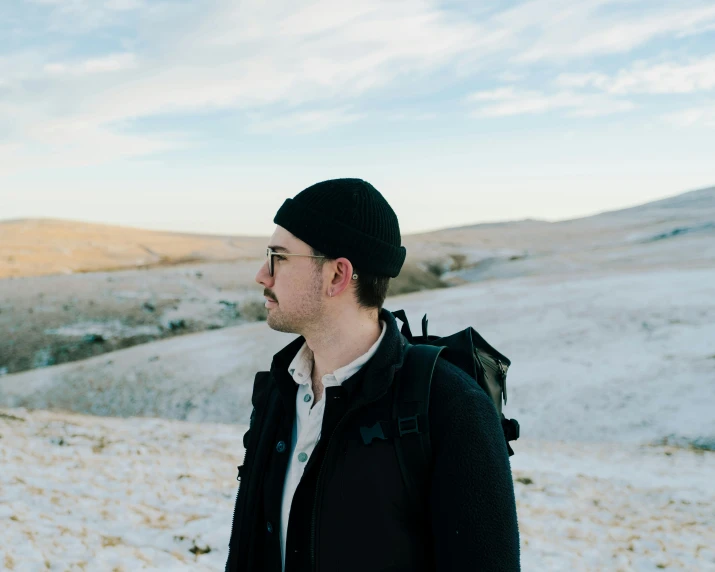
(461, 226)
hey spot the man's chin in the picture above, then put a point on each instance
(274, 323)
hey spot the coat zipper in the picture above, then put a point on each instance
(240, 478)
(499, 368)
(235, 504)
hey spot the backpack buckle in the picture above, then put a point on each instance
(407, 425)
(510, 428)
(370, 433)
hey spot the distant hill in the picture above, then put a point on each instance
(596, 241)
(33, 247)
(699, 200)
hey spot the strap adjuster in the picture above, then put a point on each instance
(370, 433)
(407, 425)
(510, 428)
(515, 424)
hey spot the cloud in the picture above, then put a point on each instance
(108, 63)
(703, 116)
(73, 17)
(412, 117)
(304, 63)
(69, 144)
(596, 27)
(306, 121)
(507, 101)
(510, 76)
(311, 63)
(307, 63)
(649, 78)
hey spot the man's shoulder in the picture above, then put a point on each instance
(454, 380)
(453, 390)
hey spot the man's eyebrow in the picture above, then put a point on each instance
(278, 248)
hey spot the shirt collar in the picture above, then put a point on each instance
(301, 367)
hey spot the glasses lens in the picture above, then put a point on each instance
(270, 261)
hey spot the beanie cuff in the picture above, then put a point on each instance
(335, 240)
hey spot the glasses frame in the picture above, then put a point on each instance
(271, 253)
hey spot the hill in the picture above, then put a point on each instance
(59, 318)
(607, 355)
(35, 247)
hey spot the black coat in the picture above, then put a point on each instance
(350, 512)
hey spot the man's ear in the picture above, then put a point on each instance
(342, 275)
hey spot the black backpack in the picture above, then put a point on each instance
(467, 350)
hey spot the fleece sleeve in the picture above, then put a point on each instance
(472, 503)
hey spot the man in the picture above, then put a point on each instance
(313, 495)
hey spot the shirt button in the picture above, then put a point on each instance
(281, 446)
(302, 457)
(307, 398)
(269, 527)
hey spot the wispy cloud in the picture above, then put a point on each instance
(412, 117)
(652, 78)
(73, 17)
(108, 63)
(307, 121)
(508, 101)
(313, 63)
(593, 27)
(703, 116)
(250, 55)
(70, 144)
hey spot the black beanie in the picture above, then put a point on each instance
(350, 218)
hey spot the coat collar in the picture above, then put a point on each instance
(378, 371)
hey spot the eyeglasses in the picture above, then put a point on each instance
(271, 253)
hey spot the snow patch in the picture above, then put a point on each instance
(107, 330)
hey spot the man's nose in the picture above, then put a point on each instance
(263, 277)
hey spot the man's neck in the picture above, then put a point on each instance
(339, 343)
(317, 384)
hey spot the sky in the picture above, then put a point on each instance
(204, 116)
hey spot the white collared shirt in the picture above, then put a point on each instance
(309, 420)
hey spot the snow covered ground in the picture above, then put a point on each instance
(92, 493)
(627, 357)
(100, 493)
(613, 381)
(596, 357)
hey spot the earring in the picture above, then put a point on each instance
(354, 276)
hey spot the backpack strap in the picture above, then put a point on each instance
(405, 330)
(411, 420)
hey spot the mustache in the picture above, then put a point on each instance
(268, 294)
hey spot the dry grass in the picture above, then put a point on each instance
(38, 247)
(144, 305)
(413, 278)
(110, 541)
